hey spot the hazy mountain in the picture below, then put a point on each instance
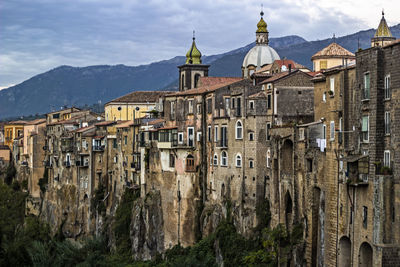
(66, 85)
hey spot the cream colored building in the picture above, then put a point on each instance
(331, 56)
(133, 105)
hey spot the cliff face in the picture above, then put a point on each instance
(146, 228)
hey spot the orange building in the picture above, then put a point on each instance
(12, 130)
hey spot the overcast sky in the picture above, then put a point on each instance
(38, 35)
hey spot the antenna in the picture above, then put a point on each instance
(262, 10)
(334, 38)
(194, 35)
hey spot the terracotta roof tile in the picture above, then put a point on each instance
(209, 81)
(206, 89)
(35, 122)
(261, 94)
(333, 51)
(140, 97)
(84, 129)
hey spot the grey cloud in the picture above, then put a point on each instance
(39, 35)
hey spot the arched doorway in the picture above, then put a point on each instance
(344, 253)
(288, 210)
(365, 256)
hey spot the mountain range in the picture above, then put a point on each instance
(78, 86)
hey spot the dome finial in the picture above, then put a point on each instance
(262, 10)
(193, 56)
(383, 12)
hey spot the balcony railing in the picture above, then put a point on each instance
(98, 148)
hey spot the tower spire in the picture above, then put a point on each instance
(193, 56)
(382, 35)
(262, 32)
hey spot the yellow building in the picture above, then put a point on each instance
(61, 115)
(133, 105)
(12, 130)
(331, 56)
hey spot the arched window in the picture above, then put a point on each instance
(215, 159)
(224, 158)
(238, 159)
(239, 130)
(196, 80)
(183, 82)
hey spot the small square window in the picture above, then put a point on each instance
(251, 136)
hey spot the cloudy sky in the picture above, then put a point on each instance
(38, 35)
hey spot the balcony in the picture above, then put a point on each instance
(98, 148)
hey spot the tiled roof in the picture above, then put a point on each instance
(125, 124)
(16, 122)
(333, 51)
(209, 81)
(265, 68)
(156, 121)
(140, 97)
(35, 122)
(275, 77)
(206, 89)
(261, 94)
(104, 123)
(84, 129)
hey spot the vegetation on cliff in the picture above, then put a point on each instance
(26, 241)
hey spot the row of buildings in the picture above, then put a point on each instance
(320, 145)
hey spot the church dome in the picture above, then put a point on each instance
(261, 54)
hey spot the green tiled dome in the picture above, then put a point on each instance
(193, 56)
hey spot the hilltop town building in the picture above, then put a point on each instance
(319, 146)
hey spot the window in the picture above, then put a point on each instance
(388, 93)
(223, 137)
(125, 139)
(238, 107)
(239, 130)
(366, 85)
(324, 97)
(309, 165)
(251, 136)
(268, 130)
(387, 123)
(332, 86)
(227, 104)
(268, 158)
(199, 136)
(386, 158)
(323, 64)
(209, 133)
(196, 80)
(216, 134)
(251, 164)
(301, 134)
(324, 131)
(190, 106)
(224, 158)
(233, 103)
(172, 109)
(199, 109)
(190, 164)
(209, 105)
(365, 216)
(332, 130)
(180, 138)
(190, 136)
(183, 81)
(251, 105)
(238, 162)
(215, 160)
(365, 128)
(269, 97)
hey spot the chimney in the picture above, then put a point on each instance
(290, 68)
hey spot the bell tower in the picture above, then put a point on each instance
(192, 70)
